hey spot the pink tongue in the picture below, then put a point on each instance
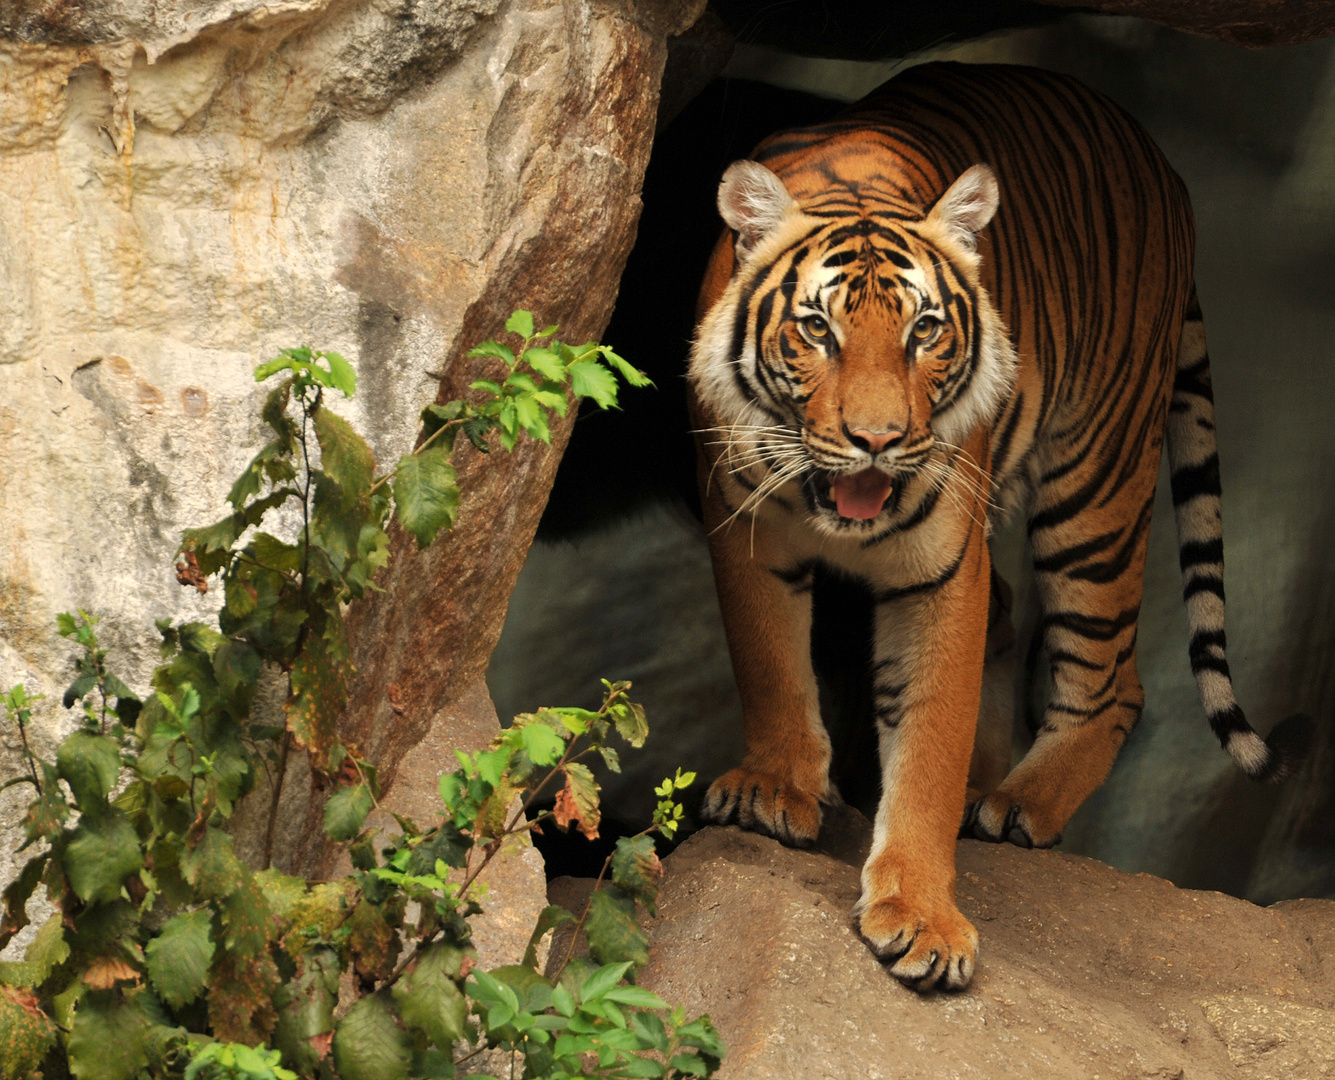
(861, 495)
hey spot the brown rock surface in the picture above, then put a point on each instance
(1084, 971)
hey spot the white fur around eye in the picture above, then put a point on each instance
(753, 201)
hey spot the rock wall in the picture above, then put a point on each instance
(184, 189)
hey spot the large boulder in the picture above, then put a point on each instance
(1084, 971)
(188, 188)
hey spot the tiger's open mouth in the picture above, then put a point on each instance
(858, 496)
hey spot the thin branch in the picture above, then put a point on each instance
(273, 802)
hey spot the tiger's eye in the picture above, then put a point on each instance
(926, 327)
(816, 326)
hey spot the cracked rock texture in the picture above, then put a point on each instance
(1084, 971)
(187, 188)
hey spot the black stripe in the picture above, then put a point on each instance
(1060, 560)
(888, 595)
(1200, 552)
(1203, 583)
(1228, 722)
(1094, 627)
(1192, 481)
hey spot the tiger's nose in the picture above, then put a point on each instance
(874, 441)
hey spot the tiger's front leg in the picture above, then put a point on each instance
(928, 681)
(784, 775)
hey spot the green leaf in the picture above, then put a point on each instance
(435, 1065)
(79, 689)
(649, 1027)
(373, 936)
(636, 997)
(602, 980)
(610, 758)
(211, 866)
(426, 494)
(636, 870)
(345, 812)
(430, 1001)
(272, 367)
(246, 921)
(46, 815)
(100, 855)
(275, 554)
(642, 1068)
(530, 417)
(108, 1039)
(237, 668)
(562, 1001)
(492, 348)
(552, 916)
(614, 935)
(344, 377)
(629, 372)
(446, 844)
(49, 948)
(589, 379)
(305, 1007)
(543, 745)
(281, 892)
(369, 1044)
(178, 958)
(344, 455)
(521, 323)
(488, 385)
(550, 399)
(630, 722)
(690, 1064)
(547, 364)
(26, 1033)
(90, 764)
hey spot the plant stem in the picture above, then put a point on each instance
(27, 750)
(273, 802)
(358, 766)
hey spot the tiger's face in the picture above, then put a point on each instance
(853, 342)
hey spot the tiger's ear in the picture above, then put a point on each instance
(753, 201)
(968, 205)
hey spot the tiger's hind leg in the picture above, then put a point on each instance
(1089, 530)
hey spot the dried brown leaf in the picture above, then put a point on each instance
(106, 971)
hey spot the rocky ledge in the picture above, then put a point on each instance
(1085, 971)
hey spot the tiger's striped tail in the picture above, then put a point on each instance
(1194, 466)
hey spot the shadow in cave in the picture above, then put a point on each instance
(619, 461)
(1270, 842)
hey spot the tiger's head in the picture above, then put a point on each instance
(854, 339)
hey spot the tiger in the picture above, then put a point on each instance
(970, 294)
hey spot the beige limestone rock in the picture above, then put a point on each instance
(1084, 971)
(185, 189)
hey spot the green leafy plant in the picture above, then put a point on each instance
(169, 957)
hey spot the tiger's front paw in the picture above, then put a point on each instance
(928, 950)
(764, 803)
